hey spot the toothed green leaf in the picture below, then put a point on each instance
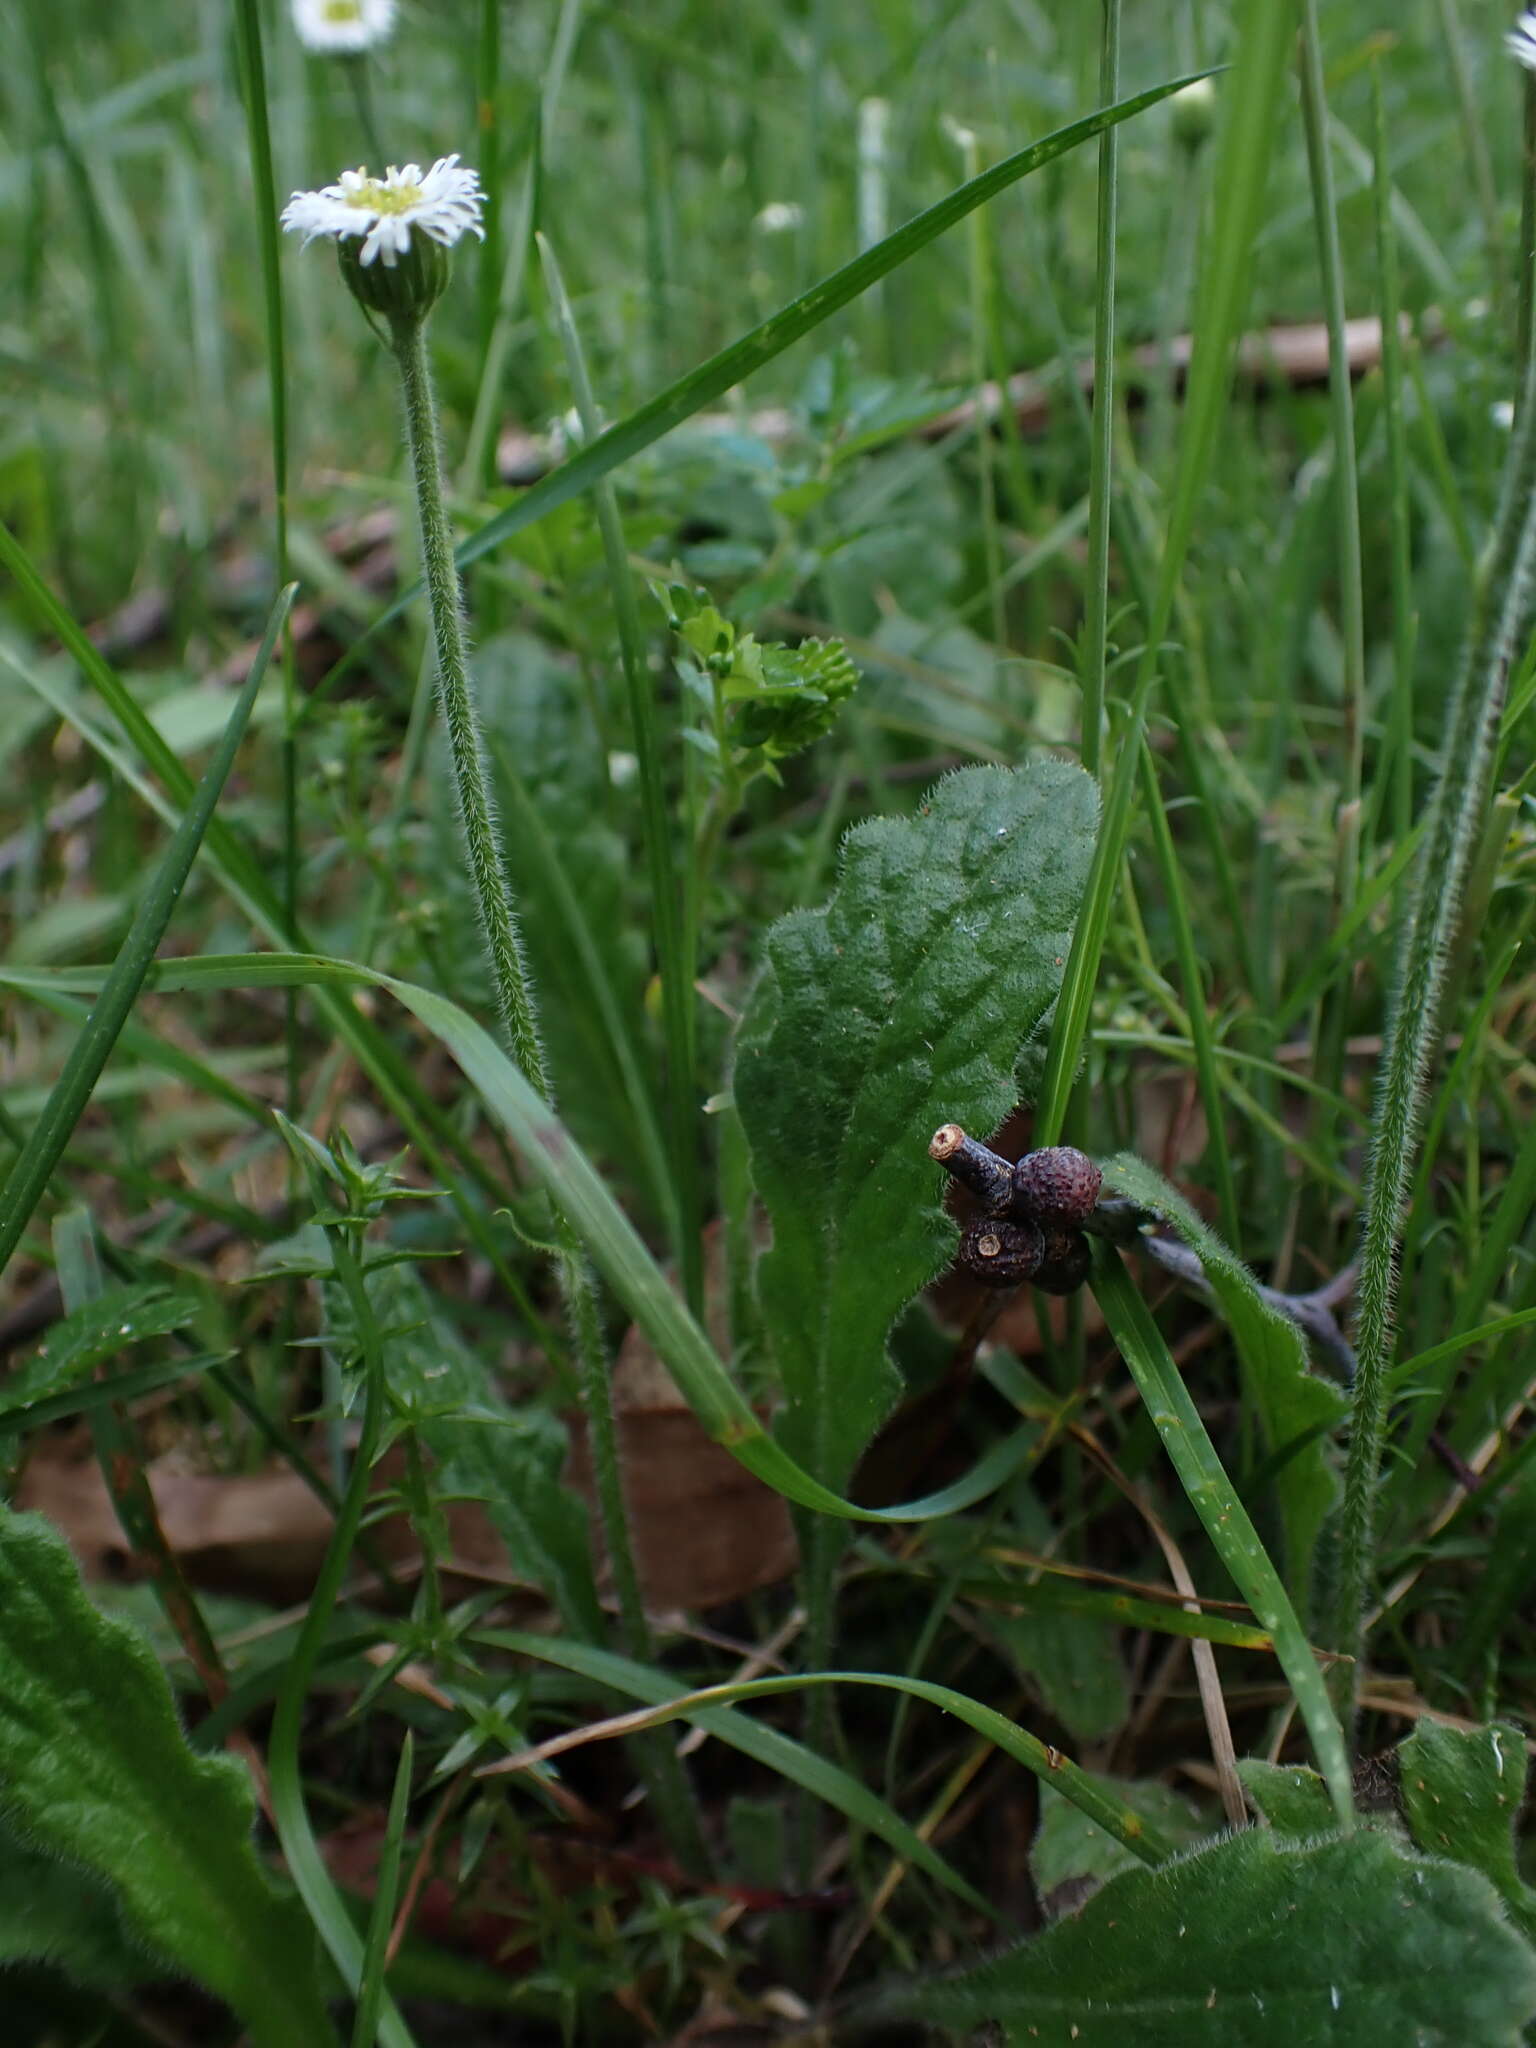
(903, 1004)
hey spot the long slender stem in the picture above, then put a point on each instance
(674, 957)
(306, 1866)
(1474, 135)
(492, 885)
(514, 995)
(1333, 1015)
(1527, 252)
(1397, 797)
(1452, 831)
(1345, 468)
(1100, 476)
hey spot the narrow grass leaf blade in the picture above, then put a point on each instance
(1291, 1402)
(1252, 92)
(709, 1708)
(1211, 1494)
(66, 1102)
(370, 2000)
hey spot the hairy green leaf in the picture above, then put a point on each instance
(77, 1344)
(1463, 1789)
(1291, 1798)
(1295, 1408)
(1070, 1848)
(52, 1914)
(94, 1770)
(1260, 1942)
(901, 1005)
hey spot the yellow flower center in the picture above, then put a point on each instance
(377, 197)
(343, 10)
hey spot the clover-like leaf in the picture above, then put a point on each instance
(903, 1004)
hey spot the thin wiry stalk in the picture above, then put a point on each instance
(514, 995)
(1345, 469)
(1452, 831)
(1397, 797)
(1527, 251)
(492, 885)
(1095, 648)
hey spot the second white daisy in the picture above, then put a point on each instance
(442, 203)
(342, 28)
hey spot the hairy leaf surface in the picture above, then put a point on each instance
(1463, 1789)
(1291, 1798)
(94, 1770)
(1249, 1944)
(903, 1004)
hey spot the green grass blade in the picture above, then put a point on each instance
(370, 2001)
(1253, 90)
(709, 1708)
(676, 970)
(1395, 801)
(66, 1102)
(1225, 1519)
(290, 1816)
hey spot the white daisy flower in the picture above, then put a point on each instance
(340, 28)
(779, 216)
(1521, 40)
(443, 203)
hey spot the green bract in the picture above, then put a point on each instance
(407, 289)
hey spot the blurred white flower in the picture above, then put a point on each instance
(1502, 413)
(1194, 112)
(1521, 40)
(443, 203)
(779, 216)
(339, 28)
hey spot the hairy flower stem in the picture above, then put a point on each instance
(1453, 829)
(514, 998)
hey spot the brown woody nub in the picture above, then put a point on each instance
(977, 1167)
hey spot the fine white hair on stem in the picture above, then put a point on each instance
(442, 203)
(343, 28)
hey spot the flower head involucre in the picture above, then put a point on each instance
(443, 203)
(341, 28)
(1521, 40)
